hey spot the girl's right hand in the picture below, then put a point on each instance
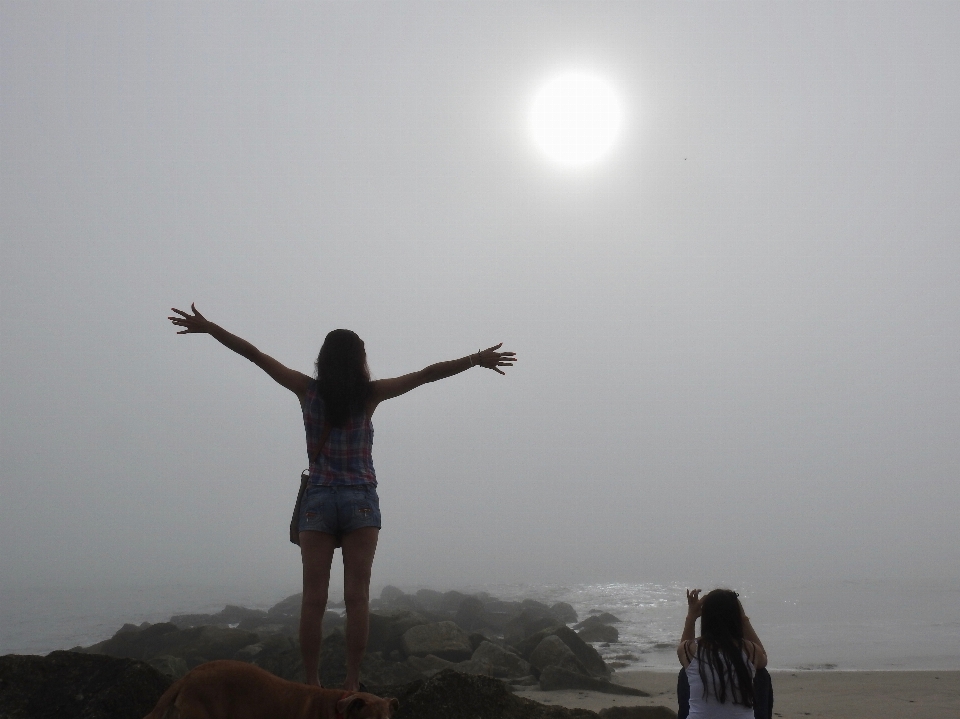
(192, 323)
(694, 603)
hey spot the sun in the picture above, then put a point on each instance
(575, 118)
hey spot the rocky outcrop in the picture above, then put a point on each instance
(442, 639)
(559, 677)
(410, 635)
(71, 685)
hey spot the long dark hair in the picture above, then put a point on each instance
(343, 379)
(721, 647)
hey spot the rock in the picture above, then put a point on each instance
(230, 616)
(564, 612)
(502, 663)
(470, 614)
(558, 677)
(388, 627)
(452, 695)
(451, 601)
(472, 666)
(599, 633)
(604, 617)
(280, 655)
(551, 651)
(477, 638)
(525, 625)
(588, 656)
(429, 665)
(597, 620)
(391, 595)
(637, 713)
(333, 660)
(443, 639)
(430, 599)
(286, 610)
(171, 667)
(537, 609)
(393, 598)
(71, 684)
(247, 653)
(527, 681)
(375, 671)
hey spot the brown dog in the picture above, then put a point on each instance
(236, 690)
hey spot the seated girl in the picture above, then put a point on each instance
(721, 665)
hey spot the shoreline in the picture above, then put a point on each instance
(833, 694)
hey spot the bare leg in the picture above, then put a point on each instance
(359, 546)
(316, 552)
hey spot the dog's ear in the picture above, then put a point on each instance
(394, 705)
(350, 704)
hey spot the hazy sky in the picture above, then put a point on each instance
(738, 334)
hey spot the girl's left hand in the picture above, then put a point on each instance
(491, 359)
(694, 603)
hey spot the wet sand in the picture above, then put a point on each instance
(798, 695)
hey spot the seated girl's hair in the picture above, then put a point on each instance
(720, 649)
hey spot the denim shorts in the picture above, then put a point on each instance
(339, 509)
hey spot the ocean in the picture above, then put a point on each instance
(827, 625)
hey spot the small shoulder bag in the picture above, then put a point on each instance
(304, 478)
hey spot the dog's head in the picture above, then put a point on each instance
(366, 706)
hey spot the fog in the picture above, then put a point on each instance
(738, 333)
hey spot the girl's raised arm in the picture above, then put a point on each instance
(384, 389)
(294, 381)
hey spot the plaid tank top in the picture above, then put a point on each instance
(347, 456)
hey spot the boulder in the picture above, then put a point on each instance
(502, 663)
(452, 695)
(286, 610)
(637, 713)
(450, 601)
(599, 633)
(442, 639)
(280, 655)
(558, 677)
(564, 612)
(171, 667)
(470, 614)
(605, 617)
(430, 599)
(71, 684)
(429, 665)
(588, 656)
(551, 651)
(333, 661)
(527, 624)
(472, 666)
(388, 627)
(375, 671)
(597, 620)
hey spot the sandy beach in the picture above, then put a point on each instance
(797, 695)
